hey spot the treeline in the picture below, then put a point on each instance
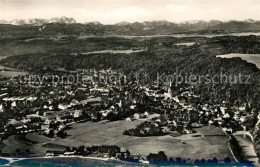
(162, 159)
(82, 150)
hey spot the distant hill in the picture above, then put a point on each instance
(249, 25)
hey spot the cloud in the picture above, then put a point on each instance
(177, 8)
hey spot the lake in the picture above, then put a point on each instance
(172, 35)
(251, 58)
(113, 51)
(3, 162)
(185, 44)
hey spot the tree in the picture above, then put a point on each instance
(17, 152)
(196, 162)
(27, 151)
(178, 160)
(128, 154)
(159, 157)
(209, 161)
(67, 149)
(162, 156)
(81, 150)
(51, 133)
(61, 134)
(227, 160)
(171, 160)
(215, 160)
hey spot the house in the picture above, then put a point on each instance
(196, 125)
(49, 119)
(223, 110)
(128, 119)
(103, 155)
(61, 127)
(69, 153)
(16, 124)
(63, 106)
(136, 116)
(52, 153)
(142, 160)
(13, 104)
(1, 108)
(74, 103)
(93, 101)
(45, 126)
(132, 107)
(242, 118)
(226, 116)
(47, 113)
(64, 116)
(77, 113)
(146, 114)
(103, 91)
(105, 112)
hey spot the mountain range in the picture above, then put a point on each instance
(69, 26)
(36, 21)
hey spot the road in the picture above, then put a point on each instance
(247, 145)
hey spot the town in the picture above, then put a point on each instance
(49, 108)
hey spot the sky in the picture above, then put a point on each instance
(114, 11)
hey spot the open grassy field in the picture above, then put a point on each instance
(111, 133)
(97, 133)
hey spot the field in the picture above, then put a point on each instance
(91, 133)
(211, 143)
